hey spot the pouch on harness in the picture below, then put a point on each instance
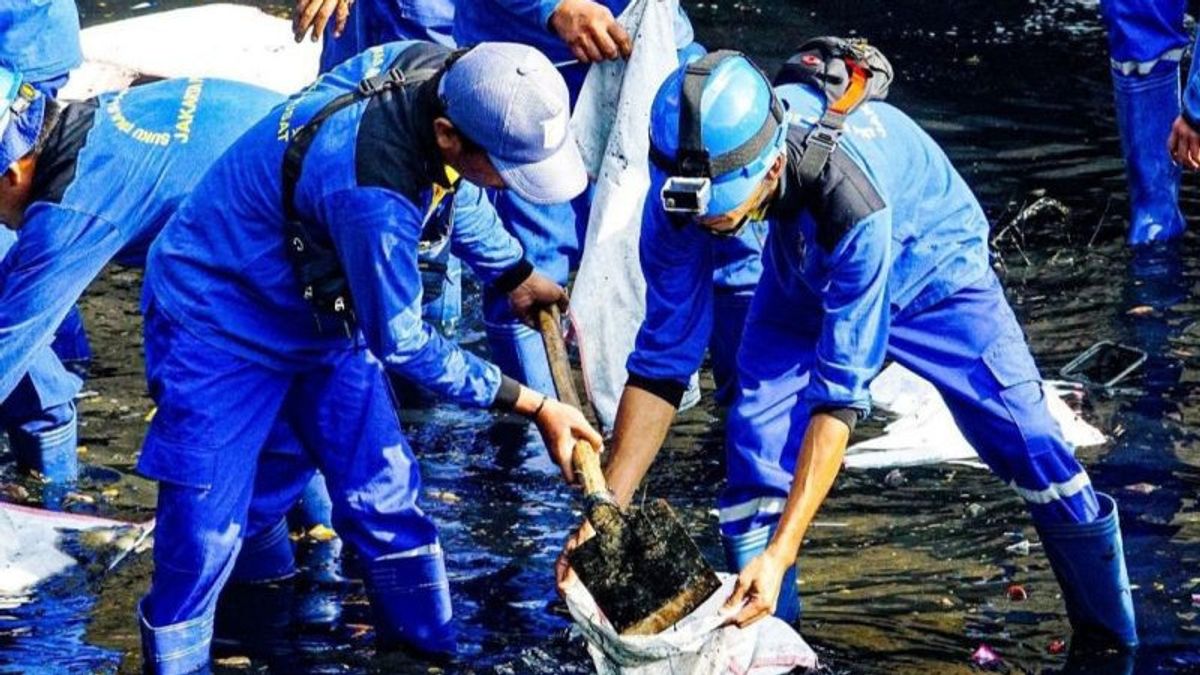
(849, 73)
(317, 267)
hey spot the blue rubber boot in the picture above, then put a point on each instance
(740, 549)
(48, 444)
(177, 649)
(520, 353)
(1089, 561)
(1146, 108)
(410, 596)
(265, 556)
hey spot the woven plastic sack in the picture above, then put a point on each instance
(697, 645)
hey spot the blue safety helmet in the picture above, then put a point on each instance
(21, 110)
(716, 127)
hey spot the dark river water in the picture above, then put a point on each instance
(898, 576)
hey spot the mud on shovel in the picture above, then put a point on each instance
(642, 568)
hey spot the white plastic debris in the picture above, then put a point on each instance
(229, 41)
(925, 431)
(697, 645)
(36, 545)
(610, 122)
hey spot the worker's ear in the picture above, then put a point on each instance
(776, 169)
(449, 141)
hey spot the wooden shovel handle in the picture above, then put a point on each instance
(585, 460)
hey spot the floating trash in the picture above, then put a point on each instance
(1056, 647)
(1017, 593)
(984, 656)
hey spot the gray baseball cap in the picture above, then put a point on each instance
(512, 101)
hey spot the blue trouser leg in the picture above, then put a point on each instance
(1146, 42)
(969, 346)
(39, 417)
(71, 343)
(737, 267)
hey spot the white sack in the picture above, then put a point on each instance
(228, 41)
(697, 645)
(610, 121)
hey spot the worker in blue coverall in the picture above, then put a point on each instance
(84, 184)
(287, 288)
(41, 41)
(586, 31)
(881, 254)
(1146, 40)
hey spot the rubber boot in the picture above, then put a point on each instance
(266, 556)
(1089, 561)
(314, 506)
(48, 444)
(519, 352)
(410, 597)
(740, 549)
(177, 649)
(1146, 108)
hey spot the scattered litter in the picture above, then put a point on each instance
(444, 496)
(974, 510)
(77, 498)
(321, 533)
(1195, 599)
(81, 450)
(233, 661)
(1056, 647)
(1020, 548)
(1104, 364)
(1141, 310)
(894, 478)
(110, 494)
(984, 656)
(1141, 488)
(12, 492)
(946, 601)
(1017, 593)
(150, 415)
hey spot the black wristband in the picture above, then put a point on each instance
(513, 276)
(668, 390)
(848, 416)
(506, 395)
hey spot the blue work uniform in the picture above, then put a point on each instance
(40, 38)
(375, 22)
(232, 346)
(111, 173)
(1146, 40)
(553, 235)
(886, 259)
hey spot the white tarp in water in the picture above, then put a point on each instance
(925, 431)
(610, 121)
(233, 42)
(697, 645)
(36, 545)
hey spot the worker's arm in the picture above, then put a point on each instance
(57, 254)
(496, 257)
(849, 353)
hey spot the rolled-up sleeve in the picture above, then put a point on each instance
(375, 232)
(857, 318)
(677, 263)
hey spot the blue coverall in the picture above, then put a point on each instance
(110, 175)
(41, 39)
(232, 347)
(553, 235)
(1146, 41)
(375, 22)
(890, 262)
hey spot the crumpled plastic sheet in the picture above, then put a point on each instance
(223, 40)
(610, 122)
(925, 431)
(697, 645)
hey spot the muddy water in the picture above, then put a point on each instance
(906, 576)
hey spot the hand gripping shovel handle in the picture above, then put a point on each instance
(585, 460)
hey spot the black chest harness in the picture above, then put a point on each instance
(316, 264)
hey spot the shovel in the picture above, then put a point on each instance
(642, 568)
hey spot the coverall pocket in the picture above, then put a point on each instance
(183, 465)
(1016, 386)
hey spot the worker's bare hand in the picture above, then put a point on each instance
(590, 30)
(757, 589)
(564, 575)
(534, 293)
(1184, 144)
(561, 426)
(315, 14)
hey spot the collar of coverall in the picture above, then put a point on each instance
(56, 159)
(424, 109)
(789, 198)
